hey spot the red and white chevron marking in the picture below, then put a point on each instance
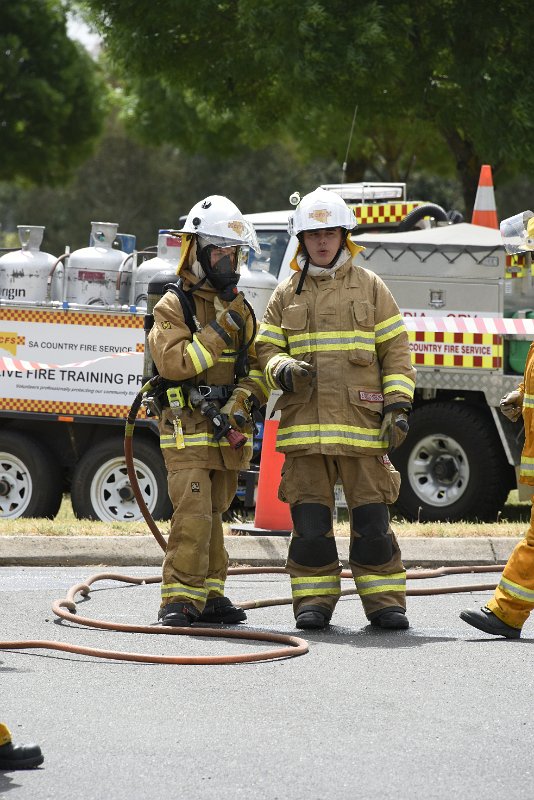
(496, 325)
(23, 365)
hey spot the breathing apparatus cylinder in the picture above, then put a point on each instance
(156, 290)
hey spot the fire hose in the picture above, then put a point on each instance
(292, 645)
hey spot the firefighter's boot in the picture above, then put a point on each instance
(20, 756)
(393, 619)
(221, 609)
(313, 618)
(178, 615)
(485, 620)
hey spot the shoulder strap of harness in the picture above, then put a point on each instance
(186, 301)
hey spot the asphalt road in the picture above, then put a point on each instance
(438, 711)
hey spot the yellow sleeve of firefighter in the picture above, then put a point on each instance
(271, 342)
(393, 350)
(255, 382)
(177, 354)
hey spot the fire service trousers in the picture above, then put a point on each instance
(370, 484)
(196, 561)
(514, 596)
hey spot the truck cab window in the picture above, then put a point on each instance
(273, 246)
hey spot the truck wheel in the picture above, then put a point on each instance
(452, 466)
(101, 489)
(30, 478)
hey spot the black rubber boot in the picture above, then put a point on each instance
(20, 756)
(485, 620)
(313, 618)
(221, 609)
(178, 615)
(393, 619)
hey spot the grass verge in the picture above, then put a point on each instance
(512, 522)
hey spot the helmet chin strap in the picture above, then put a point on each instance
(304, 270)
(198, 284)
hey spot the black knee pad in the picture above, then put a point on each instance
(313, 552)
(374, 545)
(312, 548)
(311, 519)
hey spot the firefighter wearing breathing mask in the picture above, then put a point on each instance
(333, 340)
(513, 600)
(210, 359)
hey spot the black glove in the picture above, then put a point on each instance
(293, 376)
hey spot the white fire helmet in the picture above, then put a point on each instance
(219, 222)
(321, 208)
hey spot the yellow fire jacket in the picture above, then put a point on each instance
(348, 326)
(526, 387)
(205, 358)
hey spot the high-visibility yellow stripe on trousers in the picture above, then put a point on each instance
(517, 591)
(183, 590)
(377, 584)
(214, 586)
(316, 586)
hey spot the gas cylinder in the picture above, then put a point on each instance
(167, 258)
(91, 272)
(24, 273)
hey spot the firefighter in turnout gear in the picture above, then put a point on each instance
(513, 600)
(213, 382)
(333, 339)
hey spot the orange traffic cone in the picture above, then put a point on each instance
(485, 210)
(272, 517)
(271, 513)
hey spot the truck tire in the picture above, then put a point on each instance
(101, 489)
(31, 484)
(452, 466)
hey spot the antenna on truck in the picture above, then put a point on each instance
(344, 167)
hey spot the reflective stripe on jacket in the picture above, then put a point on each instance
(349, 328)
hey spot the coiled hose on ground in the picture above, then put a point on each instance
(290, 646)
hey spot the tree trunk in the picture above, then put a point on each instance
(355, 171)
(467, 167)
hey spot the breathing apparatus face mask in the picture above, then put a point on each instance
(220, 270)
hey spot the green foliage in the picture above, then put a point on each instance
(146, 188)
(50, 98)
(442, 86)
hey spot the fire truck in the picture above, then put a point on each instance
(467, 307)
(71, 363)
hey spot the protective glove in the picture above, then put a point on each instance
(293, 375)
(231, 317)
(394, 428)
(238, 408)
(511, 405)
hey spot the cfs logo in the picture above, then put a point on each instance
(9, 341)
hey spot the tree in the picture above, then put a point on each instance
(448, 83)
(144, 188)
(51, 100)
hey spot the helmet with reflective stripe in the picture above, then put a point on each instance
(219, 222)
(321, 209)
